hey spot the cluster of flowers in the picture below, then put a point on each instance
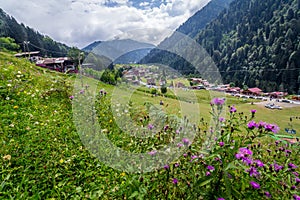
(263, 125)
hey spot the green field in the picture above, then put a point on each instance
(45, 155)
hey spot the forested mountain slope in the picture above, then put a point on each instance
(9, 27)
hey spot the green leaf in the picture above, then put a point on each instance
(134, 194)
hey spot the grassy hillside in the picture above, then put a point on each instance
(42, 156)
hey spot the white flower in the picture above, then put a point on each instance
(9, 85)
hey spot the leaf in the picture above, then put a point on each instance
(134, 194)
(204, 181)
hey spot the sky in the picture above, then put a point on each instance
(81, 22)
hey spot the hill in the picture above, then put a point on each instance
(253, 43)
(9, 27)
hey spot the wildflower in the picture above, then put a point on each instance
(254, 185)
(179, 145)
(71, 97)
(211, 168)
(293, 187)
(221, 144)
(152, 153)
(220, 198)
(217, 101)
(261, 124)
(253, 111)
(271, 127)
(296, 174)
(177, 131)
(247, 161)
(259, 163)
(123, 174)
(222, 119)
(296, 197)
(268, 195)
(176, 164)
(81, 91)
(232, 109)
(7, 157)
(277, 167)
(175, 181)
(16, 107)
(186, 141)
(292, 166)
(150, 126)
(166, 167)
(253, 172)
(194, 157)
(297, 180)
(166, 128)
(61, 161)
(207, 174)
(252, 125)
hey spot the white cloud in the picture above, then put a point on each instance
(80, 22)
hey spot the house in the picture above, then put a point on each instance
(62, 64)
(253, 91)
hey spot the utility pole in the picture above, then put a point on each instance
(25, 44)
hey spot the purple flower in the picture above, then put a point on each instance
(150, 126)
(238, 156)
(185, 155)
(254, 185)
(253, 172)
(194, 157)
(186, 141)
(152, 153)
(292, 166)
(71, 97)
(176, 164)
(222, 119)
(232, 109)
(166, 127)
(177, 131)
(272, 127)
(252, 125)
(207, 174)
(175, 181)
(268, 195)
(297, 180)
(261, 124)
(296, 197)
(247, 161)
(221, 144)
(217, 101)
(259, 163)
(81, 91)
(211, 168)
(166, 167)
(253, 111)
(277, 167)
(245, 151)
(179, 145)
(295, 173)
(220, 198)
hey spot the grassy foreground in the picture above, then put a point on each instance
(43, 157)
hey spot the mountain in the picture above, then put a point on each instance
(9, 27)
(91, 46)
(253, 43)
(190, 28)
(256, 44)
(202, 17)
(121, 51)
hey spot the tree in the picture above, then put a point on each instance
(163, 89)
(8, 44)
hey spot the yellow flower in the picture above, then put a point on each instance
(123, 174)
(61, 161)
(16, 107)
(7, 157)
(110, 121)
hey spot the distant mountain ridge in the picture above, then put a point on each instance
(9, 27)
(121, 51)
